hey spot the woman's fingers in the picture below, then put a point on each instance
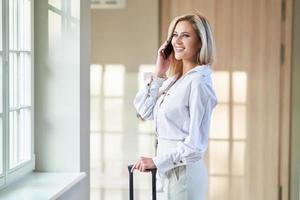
(142, 165)
(133, 167)
(162, 47)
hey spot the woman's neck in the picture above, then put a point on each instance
(187, 66)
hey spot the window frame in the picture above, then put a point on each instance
(8, 176)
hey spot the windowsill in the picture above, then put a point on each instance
(37, 186)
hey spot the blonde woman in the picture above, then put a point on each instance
(181, 106)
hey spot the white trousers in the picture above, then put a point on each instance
(186, 182)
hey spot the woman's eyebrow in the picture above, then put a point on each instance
(184, 32)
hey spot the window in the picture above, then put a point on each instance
(228, 138)
(16, 103)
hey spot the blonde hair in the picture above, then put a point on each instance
(202, 27)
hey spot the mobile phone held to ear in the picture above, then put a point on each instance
(168, 50)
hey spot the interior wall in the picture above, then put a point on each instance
(126, 36)
(57, 93)
(62, 69)
(295, 107)
(248, 40)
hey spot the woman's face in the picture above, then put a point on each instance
(185, 42)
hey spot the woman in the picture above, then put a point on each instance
(181, 107)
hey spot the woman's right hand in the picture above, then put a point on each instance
(162, 63)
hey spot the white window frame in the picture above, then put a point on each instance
(10, 175)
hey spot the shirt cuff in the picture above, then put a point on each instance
(164, 163)
(157, 81)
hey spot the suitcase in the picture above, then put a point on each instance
(131, 193)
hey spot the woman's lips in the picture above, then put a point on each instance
(179, 49)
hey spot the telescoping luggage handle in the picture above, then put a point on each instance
(153, 171)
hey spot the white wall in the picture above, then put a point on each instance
(62, 93)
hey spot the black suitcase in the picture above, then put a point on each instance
(131, 193)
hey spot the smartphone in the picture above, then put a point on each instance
(168, 50)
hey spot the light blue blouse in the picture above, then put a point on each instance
(182, 112)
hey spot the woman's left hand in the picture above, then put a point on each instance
(144, 164)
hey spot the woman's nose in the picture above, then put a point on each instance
(178, 40)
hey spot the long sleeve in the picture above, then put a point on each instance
(146, 98)
(202, 100)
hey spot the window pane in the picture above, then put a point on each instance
(95, 113)
(115, 194)
(219, 157)
(95, 149)
(27, 81)
(13, 80)
(13, 25)
(239, 80)
(239, 122)
(218, 188)
(219, 128)
(238, 188)
(146, 145)
(13, 140)
(114, 80)
(25, 135)
(75, 11)
(113, 114)
(96, 193)
(113, 146)
(113, 172)
(24, 80)
(146, 126)
(96, 79)
(24, 25)
(221, 85)
(19, 137)
(238, 158)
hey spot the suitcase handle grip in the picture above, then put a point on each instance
(153, 171)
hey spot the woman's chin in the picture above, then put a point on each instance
(177, 57)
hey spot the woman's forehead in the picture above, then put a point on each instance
(184, 26)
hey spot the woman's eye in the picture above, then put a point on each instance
(186, 35)
(174, 35)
